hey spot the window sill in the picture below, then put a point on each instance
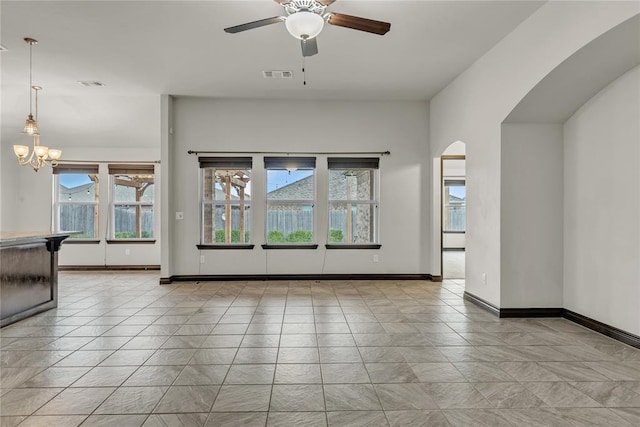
(352, 246)
(286, 246)
(226, 246)
(80, 242)
(131, 241)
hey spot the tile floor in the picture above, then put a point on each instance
(453, 264)
(122, 350)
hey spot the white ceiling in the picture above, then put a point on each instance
(146, 48)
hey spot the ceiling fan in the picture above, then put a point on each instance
(305, 19)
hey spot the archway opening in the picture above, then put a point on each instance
(453, 201)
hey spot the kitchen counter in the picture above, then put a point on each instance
(28, 273)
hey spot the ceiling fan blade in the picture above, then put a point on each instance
(254, 24)
(326, 2)
(357, 23)
(309, 47)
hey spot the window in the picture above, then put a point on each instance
(290, 200)
(454, 205)
(225, 200)
(353, 201)
(132, 199)
(76, 200)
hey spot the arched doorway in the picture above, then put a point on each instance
(453, 202)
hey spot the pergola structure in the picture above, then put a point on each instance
(140, 183)
(228, 179)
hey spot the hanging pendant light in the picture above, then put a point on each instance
(30, 125)
(41, 155)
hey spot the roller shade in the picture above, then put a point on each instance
(131, 169)
(289, 162)
(226, 162)
(353, 162)
(75, 168)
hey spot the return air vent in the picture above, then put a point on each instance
(91, 83)
(274, 74)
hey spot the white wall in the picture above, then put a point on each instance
(475, 104)
(531, 220)
(602, 206)
(167, 207)
(305, 126)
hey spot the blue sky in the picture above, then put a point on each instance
(458, 191)
(71, 180)
(279, 178)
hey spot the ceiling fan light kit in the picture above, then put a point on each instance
(305, 20)
(304, 25)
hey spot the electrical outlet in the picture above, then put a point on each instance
(484, 278)
(180, 215)
(201, 259)
(376, 258)
(127, 251)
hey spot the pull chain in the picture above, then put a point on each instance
(304, 71)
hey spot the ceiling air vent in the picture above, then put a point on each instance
(277, 74)
(91, 83)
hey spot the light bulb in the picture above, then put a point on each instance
(21, 151)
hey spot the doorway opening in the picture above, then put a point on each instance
(453, 215)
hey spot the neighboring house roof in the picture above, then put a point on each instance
(303, 189)
(81, 193)
(298, 190)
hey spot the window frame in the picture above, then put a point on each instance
(371, 164)
(224, 163)
(445, 205)
(129, 170)
(77, 169)
(290, 164)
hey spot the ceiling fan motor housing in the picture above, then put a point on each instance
(295, 6)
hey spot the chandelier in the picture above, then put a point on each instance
(40, 155)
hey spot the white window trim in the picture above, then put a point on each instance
(375, 202)
(294, 202)
(112, 210)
